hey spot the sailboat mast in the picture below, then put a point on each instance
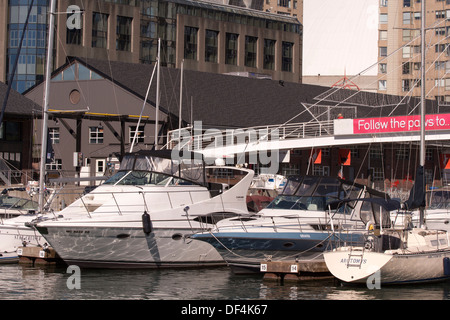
(48, 71)
(422, 103)
(157, 93)
(422, 87)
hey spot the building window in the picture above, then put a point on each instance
(284, 3)
(406, 85)
(383, 51)
(190, 43)
(74, 35)
(383, 67)
(383, 18)
(407, 17)
(377, 174)
(406, 68)
(54, 135)
(123, 33)
(402, 154)
(406, 52)
(383, 35)
(269, 54)
(382, 85)
(250, 51)
(319, 170)
(10, 131)
(99, 30)
(56, 164)
(406, 3)
(287, 56)
(376, 152)
(440, 14)
(99, 166)
(211, 41)
(231, 48)
(139, 136)
(96, 135)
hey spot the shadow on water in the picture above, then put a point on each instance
(51, 283)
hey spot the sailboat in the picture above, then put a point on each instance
(398, 255)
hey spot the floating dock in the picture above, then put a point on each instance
(294, 270)
(38, 256)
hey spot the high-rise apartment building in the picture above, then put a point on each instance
(208, 36)
(399, 49)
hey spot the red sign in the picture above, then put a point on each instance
(401, 124)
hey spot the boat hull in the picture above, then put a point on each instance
(130, 247)
(12, 237)
(385, 268)
(244, 252)
(9, 257)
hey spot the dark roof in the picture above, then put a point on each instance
(17, 105)
(232, 101)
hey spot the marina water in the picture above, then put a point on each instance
(24, 282)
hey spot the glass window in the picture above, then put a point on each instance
(99, 30)
(96, 135)
(250, 51)
(69, 73)
(56, 164)
(83, 73)
(269, 54)
(123, 33)
(139, 136)
(190, 43)
(211, 41)
(54, 135)
(74, 33)
(383, 18)
(287, 56)
(231, 48)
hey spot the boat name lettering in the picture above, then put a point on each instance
(305, 236)
(77, 231)
(353, 260)
(27, 238)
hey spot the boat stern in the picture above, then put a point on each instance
(354, 264)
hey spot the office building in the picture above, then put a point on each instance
(399, 49)
(207, 36)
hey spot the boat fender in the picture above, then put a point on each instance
(446, 262)
(370, 226)
(146, 223)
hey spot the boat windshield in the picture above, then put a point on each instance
(314, 193)
(153, 167)
(142, 178)
(439, 199)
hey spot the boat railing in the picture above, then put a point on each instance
(291, 222)
(113, 201)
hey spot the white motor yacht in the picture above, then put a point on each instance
(147, 213)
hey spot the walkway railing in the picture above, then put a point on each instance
(199, 138)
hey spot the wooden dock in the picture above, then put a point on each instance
(38, 256)
(294, 270)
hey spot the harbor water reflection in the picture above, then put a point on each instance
(21, 282)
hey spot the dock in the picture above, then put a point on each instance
(38, 256)
(294, 270)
